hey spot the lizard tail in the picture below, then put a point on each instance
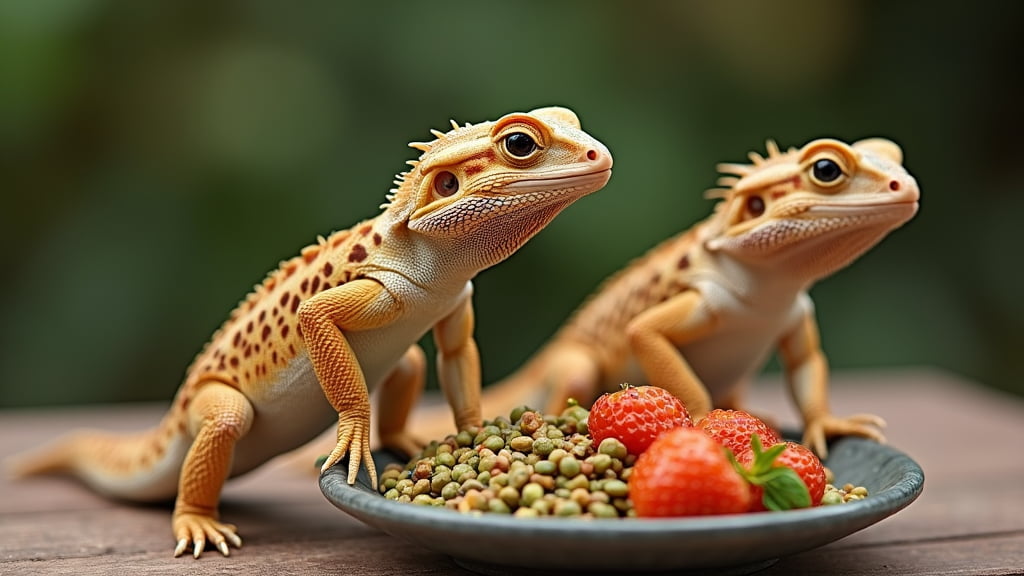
(142, 466)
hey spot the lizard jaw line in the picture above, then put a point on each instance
(594, 180)
(873, 209)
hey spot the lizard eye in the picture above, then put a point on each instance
(445, 184)
(755, 206)
(519, 144)
(826, 171)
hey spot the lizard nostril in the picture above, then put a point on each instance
(894, 185)
(592, 154)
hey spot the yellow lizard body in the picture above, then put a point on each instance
(700, 313)
(343, 318)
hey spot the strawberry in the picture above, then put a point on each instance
(685, 472)
(733, 429)
(785, 476)
(636, 415)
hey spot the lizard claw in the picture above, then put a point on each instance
(354, 440)
(820, 429)
(197, 529)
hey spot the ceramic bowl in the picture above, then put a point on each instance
(732, 544)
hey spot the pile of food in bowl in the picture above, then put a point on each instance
(636, 453)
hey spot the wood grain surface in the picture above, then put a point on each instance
(969, 520)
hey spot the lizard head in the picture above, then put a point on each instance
(488, 188)
(813, 210)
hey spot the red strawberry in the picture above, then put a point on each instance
(772, 474)
(733, 429)
(635, 416)
(686, 473)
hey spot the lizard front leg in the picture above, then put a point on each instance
(655, 337)
(458, 365)
(807, 375)
(358, 305)
(218, 417)
(398, 394)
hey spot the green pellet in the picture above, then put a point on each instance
(557, 454)
(459, 470)
(497, 506)
(530, 494)
(444, 459)
(509, 495)
(602, 510)
(450, 490)
(500, 479)
(486, 463)
(616, 488)
(422, 486)
(494, 443)
(485, 432)
(439, 480)
(613, 447)
(464, 438)
(518, 477)
(404, 486)
(832, 497)
(521, 443)
(423, 500)
(526, 513)
(601, 463)
(543, 446)
(518, 412)
(567, 508)
(577, 482)
(569, 466)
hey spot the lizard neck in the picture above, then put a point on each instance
(424, 261)
(748, 279)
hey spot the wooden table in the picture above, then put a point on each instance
(969, 520)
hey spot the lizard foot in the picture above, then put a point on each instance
(354, 440)
(200, 529)
(403, 442)
(820, 429)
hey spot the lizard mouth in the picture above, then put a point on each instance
(561, 183)
(528, 204)
(840, 210)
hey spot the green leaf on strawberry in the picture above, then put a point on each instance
(782, 487)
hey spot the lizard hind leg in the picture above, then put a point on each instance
(217, 418)
(572, 373)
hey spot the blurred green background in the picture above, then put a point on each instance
(158, 158)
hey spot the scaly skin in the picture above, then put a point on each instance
(699, 313)
(343, 318)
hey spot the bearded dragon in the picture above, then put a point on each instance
(699, 313)
(330, 325)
